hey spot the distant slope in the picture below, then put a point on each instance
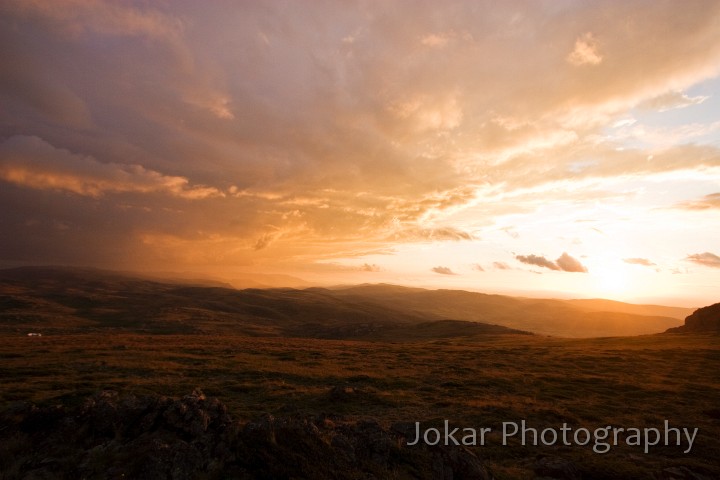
(602, 305)
(548, 317)
(182, 279)
(269, 280)
(68, 300)
(702, 320)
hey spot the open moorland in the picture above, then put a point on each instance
(472, 375)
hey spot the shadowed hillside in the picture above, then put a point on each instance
(61, 300)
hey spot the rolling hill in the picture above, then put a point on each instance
(602, 305)
(70, 300)
(61, 300)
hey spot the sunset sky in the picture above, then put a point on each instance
(547, 148)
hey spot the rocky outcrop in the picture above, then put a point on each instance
(556, 468)
(681, 473)
(111, 436)
(702, 320)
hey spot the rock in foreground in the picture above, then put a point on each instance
(153, 437)
(702, 320)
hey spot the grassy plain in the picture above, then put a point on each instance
(475, 381)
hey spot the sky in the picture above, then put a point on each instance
(544, 148)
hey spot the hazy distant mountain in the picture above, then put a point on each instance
(602, 305)
(189, 278)
(62, 300)
(268, 280)
(549, 317)
(54, 274)
(703, 320)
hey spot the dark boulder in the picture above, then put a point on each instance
(127, 436)
(681, 473)
(702, 320)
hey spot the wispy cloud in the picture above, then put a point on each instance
(32, 162)
(672, 100)
(639, 261)
(265, 240)
(367, 267)
(435, 40)
(585, 51)
(430, 234)
(108, 18)
(706, 259)
(708, 202)
(443, 271)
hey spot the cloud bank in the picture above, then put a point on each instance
(31, 162)
(279, 136)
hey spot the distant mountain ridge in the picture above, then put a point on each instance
(72, 300)
(268, 280)
(60, 299)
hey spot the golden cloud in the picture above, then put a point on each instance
(32, 162)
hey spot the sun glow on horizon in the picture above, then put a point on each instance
(612, 281)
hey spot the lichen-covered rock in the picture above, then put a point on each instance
(111, 436)
(681, 473)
